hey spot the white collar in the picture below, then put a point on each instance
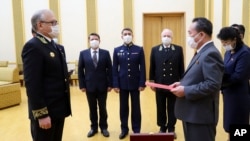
(92, 50)
(203, 45)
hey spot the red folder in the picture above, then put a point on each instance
(152, 137)
(157, 85)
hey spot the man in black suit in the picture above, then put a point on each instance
(95, 78)
(46, 79)
(166, 67)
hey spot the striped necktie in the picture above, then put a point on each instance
(95, 58)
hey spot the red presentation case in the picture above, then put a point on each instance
(152, 137)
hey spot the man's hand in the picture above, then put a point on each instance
(45, 123)
(109, 89)
(178, 91)
(175, 84)
(83, 89)
(141, 88)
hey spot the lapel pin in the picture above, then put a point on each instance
(52, 54)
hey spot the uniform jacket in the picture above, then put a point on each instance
(91, 78)
(202, 82)
(235, 86)
(166, 67)
(46, 79)
(129, 67)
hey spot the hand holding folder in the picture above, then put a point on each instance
(157, 85)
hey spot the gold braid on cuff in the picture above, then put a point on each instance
(40, 112)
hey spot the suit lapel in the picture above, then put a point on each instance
(99, 57)
(193, 61)
(227, 57)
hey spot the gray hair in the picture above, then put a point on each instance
(38, 16)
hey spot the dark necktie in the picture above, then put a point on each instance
(95, 58)
(54, 44)
(195, 53)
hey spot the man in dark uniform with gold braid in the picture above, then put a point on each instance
(46, 79)
(166, 67)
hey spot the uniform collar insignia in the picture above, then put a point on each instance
(128, 45)
(42, 39)
(160, 48)
(172, 47)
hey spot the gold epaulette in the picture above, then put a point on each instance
(40, 112)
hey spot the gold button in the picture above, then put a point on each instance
(128, 69)
(164, 69)
(171, 68)
(128, 58)
(164, 75)
(129, 75)
(170, 74)
(65, 80)
(128, 64)
(170, 63)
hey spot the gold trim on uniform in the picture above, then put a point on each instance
(40, 112)
(52, 54)
(42, 39)
(130, 44)
(171, 46)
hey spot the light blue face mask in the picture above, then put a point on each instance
(228, 47)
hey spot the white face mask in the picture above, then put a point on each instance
(127, 39)
(94, 44)
(228, 47)
(54, 31)
(166, 41)
(55, 40)
(191, 42)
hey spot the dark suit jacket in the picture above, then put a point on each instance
(166, 68)
(202, 82)
(91, 78)
(129, 67)
(235, 87)
(46, 79)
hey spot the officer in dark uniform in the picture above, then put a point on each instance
(166, 67)
(129, 78)
(46, 79)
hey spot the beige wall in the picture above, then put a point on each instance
(7, 41)
(110, 21)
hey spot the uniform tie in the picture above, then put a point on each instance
(95, 58)
(54, 44)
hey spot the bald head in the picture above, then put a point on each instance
(167, 33)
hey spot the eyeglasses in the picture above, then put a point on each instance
(50, 22)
